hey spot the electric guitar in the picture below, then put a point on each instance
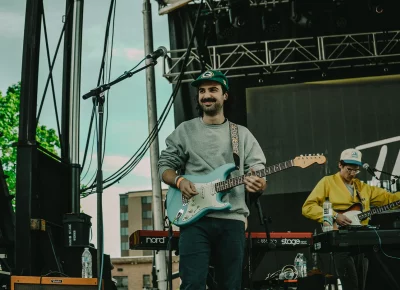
(213, 186)
(356, 215)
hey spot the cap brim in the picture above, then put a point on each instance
(352, 162)
(197, 83)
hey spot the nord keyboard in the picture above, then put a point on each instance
(158, 240)
(356, 240)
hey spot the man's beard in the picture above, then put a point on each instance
(212, 110)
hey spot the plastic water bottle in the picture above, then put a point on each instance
(304, 267)
(86, 264)
(327, 224)
(301, 265)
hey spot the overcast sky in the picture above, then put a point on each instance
(127, 123)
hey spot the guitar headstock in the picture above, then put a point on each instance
(304, 161)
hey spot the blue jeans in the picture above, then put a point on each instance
(221, 239)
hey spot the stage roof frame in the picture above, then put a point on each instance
(322, 53)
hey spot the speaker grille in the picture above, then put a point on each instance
(52, 283)
(53, 287)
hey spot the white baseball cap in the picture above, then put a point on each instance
(351, 156)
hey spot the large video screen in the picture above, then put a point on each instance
(326, 118)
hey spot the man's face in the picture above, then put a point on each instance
(349, 171)
(211, 98)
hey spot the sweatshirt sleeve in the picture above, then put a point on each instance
(380, 196)
(312, 207)
(253, 154)
(173, 157)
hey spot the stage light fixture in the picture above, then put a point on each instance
(223, 26)
(299, 18)
(238, 12)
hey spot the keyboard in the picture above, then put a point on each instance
(356, 240)
(158, 240)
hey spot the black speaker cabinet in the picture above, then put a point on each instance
(52, 283)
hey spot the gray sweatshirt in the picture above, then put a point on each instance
(197, 148)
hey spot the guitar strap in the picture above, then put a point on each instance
(235, 143)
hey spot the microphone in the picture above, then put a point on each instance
(369, 170)
(161, 51)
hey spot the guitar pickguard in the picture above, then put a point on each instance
(205, 199)
(353, 215)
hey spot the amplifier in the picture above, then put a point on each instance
(53, 283)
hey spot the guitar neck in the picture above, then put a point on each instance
(380, 209)
(236, 181)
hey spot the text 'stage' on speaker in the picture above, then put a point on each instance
(52, 283)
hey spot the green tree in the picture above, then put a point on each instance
(9, 121)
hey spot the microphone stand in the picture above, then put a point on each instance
(389, 174)
(263, 221)
(98, 95)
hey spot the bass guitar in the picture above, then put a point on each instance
(356, 215)
(213, 186)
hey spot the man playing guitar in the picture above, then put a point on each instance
(344, 191)
(198, 147)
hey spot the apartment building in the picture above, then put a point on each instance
(133, 270)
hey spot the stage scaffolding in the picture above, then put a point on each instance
(322, 53)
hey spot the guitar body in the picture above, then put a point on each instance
(352, 213)
(183, 212)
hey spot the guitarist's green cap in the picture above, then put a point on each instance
(212, 75)
(351, 156)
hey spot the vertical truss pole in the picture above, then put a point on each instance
(74, 102)
(158, 220)
(24, 254)
(66, 82)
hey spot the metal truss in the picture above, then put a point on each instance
(223, 5)
(321, 53)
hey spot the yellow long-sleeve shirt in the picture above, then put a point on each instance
(334, 188)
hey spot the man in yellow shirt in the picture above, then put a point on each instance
(343, 190)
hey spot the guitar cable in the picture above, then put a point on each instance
(380, 245)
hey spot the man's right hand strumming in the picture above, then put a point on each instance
(187, 189)
(343, 220)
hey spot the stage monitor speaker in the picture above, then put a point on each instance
(52, 283)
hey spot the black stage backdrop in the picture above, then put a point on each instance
(324, 117)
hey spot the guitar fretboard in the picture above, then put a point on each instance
(377, 210)
(235, 181)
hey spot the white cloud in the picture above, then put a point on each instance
(143, 168)
(111, 218)
(114, 162)
(133, 53)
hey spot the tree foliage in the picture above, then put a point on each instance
(9, 121)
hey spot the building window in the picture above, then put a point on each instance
(123, 200)
(121, 282)
(125, 246)
(124, 216)
(124, 232)
(148, 228)
(147, 199)
(146, 281)
(147, 214)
